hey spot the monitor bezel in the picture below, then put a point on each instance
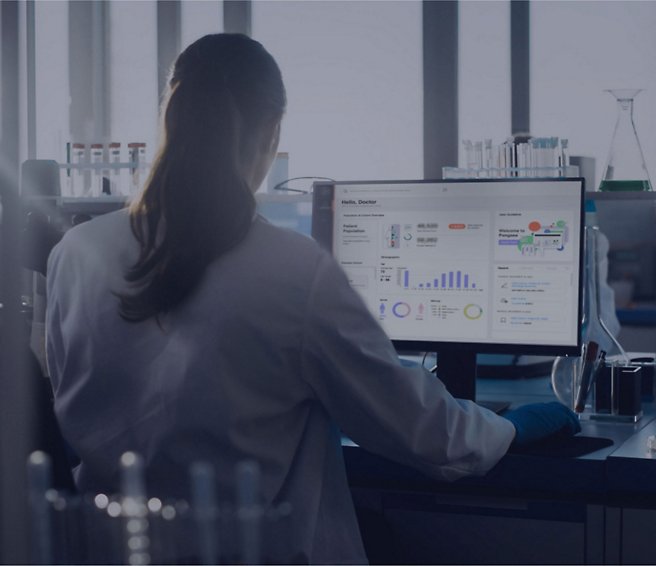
(413, 346)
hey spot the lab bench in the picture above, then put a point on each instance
(538, 506)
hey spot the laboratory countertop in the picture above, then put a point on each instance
(610, 461)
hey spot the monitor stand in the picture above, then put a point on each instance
(457, 370)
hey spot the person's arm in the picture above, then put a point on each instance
(39, 238)
(399, 412)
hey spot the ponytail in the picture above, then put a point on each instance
(197, 203)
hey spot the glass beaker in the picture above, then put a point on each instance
(625, 168)
(566, 370)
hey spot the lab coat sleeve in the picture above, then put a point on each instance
(402, 413)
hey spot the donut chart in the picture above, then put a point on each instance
(473, 311)
(401, 309)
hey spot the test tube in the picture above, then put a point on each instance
(555, 156)
(498, 160)
(512, 146)
(564, 155)
(487, 158)
(522, 159)
(535, 157)
(137, 152)
(478, 157)
(115, 175)
(134, 509)
(467, 145)
(507, 159)
(203, 493)
(68, 175)
(39, 478)
(78, 177)
(249, 513)
(97, 159)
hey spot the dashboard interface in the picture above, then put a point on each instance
(485, 262)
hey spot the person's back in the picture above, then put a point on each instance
(220, 381)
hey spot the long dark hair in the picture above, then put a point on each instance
(224, 91)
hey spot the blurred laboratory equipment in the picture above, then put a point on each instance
(132, 527)
(115, 184)
(566, 379)
(203, 499)
(134, 509)
(515, 157)
(102, 170)
(625, 168)
(97, 160)
(39, 481)
(599, 324)
(137, 151)
(249, 511)
(79, 184)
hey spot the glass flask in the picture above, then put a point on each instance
(625, 168)
(566, 371)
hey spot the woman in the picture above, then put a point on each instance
(187, 328)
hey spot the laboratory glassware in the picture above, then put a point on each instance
(137, 153)
(115, 185)
(79, 180)
(135, 509)
(518, 156)
(625, 168)
(97, 159)
(566, 371)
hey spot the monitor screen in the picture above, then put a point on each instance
(477, 265)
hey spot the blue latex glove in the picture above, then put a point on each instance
(539, 420)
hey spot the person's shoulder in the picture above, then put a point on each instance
(98, 228)
(283, 252)
(110, 221)
(93, 236)
(276, 236)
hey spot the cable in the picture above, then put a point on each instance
(423, 363)
(281, 186)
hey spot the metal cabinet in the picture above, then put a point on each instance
(443, 528)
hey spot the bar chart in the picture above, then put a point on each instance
(453, 279)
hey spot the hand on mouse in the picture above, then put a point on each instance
(537, 421)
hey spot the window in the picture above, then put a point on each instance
(52, 91)
(354, 84)
(131, 55)
(198, 18)
(133, 99)
(577, 50)
(483, 72)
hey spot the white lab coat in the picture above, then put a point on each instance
(272, 355)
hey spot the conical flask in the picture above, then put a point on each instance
(566, 370)
(625, 169)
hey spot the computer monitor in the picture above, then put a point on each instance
(461, 267)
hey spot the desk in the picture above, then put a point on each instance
(597, 508)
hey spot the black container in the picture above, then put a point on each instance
(647, 378)
(618, 390)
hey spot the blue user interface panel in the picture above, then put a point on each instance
(476, 262)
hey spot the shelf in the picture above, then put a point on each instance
(621, 195)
